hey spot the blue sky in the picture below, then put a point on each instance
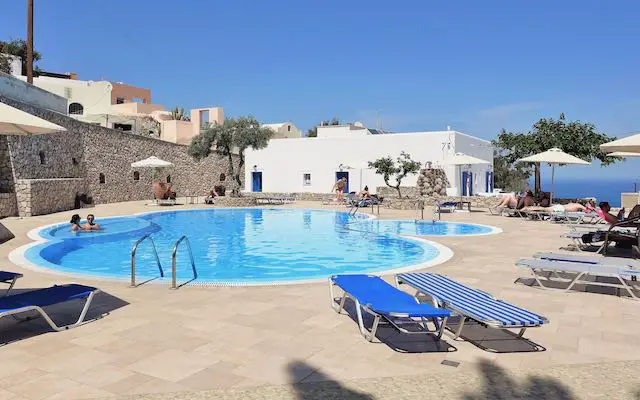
(414, 65)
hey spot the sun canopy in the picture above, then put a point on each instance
(17, 122)
(623, 154)
(464, 159)
(630, 144)
(554, 156)
(151, 162)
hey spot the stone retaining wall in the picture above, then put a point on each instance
(8, 207)
(47, 166)
(46, 196)
(226, 201)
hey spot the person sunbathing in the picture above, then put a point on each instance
(518, 203)
(211, 199)
(91, 225)
(364, 193)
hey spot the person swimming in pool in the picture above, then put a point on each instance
(75, 223)
(91, 225)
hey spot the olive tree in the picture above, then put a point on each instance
(230, 139)
(398, 168)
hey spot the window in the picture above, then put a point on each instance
(101, 178)
(288, 128)
(76, 109)
(306, 179)
(204, 118)
(74, 161)
(120, 100)
(168, 178)
(123, 127)
(136, 175)
(43, 159)
(222, 177)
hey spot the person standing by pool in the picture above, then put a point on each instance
(75, 223)
(91, 225)
(339, 187)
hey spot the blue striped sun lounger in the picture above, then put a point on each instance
(386, 304)
(36, 300)
(471, 304)
(545, 271)
(10, 279)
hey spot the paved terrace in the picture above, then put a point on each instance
(286, 342)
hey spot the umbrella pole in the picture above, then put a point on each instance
(553, 186)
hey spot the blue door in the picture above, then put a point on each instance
(467, 183)
(489, 182)
(256, 181)
(340, 175)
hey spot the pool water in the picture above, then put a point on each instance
(421, 228)
(232, 246)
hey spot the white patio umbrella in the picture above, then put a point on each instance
(152, 162)
(553, 157)
(17, 122)
(623, 154)
(460, 159)
(630, 144)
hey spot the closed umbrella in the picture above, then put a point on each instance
(17, 122)
(152, 162)
(630, 144)
(554, 157)
(460, 159)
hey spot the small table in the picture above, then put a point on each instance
(461, 205)
(191, 199)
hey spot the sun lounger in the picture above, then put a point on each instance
(35, 300)
(617, 261)
(10, 279)
(386, 304)
(577, 272)
(448, 206)
(471, 304)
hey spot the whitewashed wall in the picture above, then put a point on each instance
(284, 161)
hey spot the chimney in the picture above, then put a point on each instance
(73, 75)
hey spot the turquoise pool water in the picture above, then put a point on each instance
(421, 228)
(232, 246)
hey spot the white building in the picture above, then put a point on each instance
(284, 130)
(314, 164)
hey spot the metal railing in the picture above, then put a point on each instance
(134, 249)
(173, 262)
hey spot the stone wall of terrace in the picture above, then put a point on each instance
(94, 161)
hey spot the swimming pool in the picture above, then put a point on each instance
(423, 228)
(231, 246)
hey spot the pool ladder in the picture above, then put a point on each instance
(174, 283)
(134, 249)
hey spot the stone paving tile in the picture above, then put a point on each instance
(171, 365)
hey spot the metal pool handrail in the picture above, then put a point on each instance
(173, 262)
(134, 249)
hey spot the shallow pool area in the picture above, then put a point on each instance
(231, 246)
(422, 228)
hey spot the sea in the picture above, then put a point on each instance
(603, 190)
